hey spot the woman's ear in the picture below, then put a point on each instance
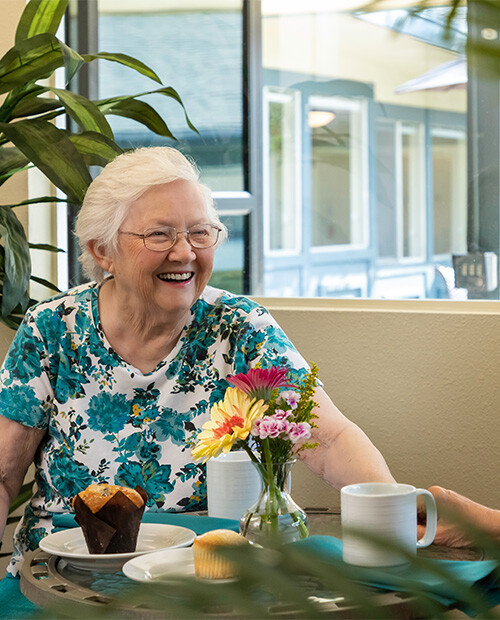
(101, 256)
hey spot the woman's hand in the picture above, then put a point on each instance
(18, 444)
(453, 508)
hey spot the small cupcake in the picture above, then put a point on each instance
(207, 562)
(110, 516)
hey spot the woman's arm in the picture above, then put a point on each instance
(344, 455)
(18, 444)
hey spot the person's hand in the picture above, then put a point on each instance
(451, 534)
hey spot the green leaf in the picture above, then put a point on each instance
(84, 112)
(11, 321)
(45, 246)
(96, 149)
(34, 201)
(108, 105)
(32, 106)
(123, 59)
(23, 496)
(142, 113)
(46, 283)
(17, 261)
(51, 150)
(40, 16)
(11, 173)
(11, 158)
(36, 58)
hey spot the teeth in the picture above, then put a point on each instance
(179, 277)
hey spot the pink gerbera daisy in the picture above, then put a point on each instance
(260, 382)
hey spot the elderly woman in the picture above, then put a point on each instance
(108, 381)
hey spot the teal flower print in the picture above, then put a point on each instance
(67, 475)
(277, 340)
(170, 425)
(108, 413)
(22, 398)
(151, 476)
(25, 355)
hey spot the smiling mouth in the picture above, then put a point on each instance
(176, 277)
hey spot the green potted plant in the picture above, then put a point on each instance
(29, 137)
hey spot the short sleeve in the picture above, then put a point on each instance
(261, 341)
(25, 390)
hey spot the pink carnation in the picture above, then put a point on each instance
(255, 430)
(279, 414)
(298, 431)
(270, 428)
(291, 399)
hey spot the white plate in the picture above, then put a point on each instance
(70, 545)
(161, 565)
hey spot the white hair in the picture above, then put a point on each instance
(122, 181)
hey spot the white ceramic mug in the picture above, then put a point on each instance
(389, 512)
(233, 485)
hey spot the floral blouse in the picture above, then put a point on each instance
(105, 420)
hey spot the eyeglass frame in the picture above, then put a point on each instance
(148, 232)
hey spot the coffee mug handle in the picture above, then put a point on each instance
(430, 530)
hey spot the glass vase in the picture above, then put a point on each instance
(274, 518)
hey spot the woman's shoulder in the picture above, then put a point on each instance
(231, 302)
(70, 299)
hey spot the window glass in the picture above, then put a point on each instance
(230, 272)
(386, 190)
(282, 181)
(449, 191)
(383, 202)
(412, 217)
(337, 172)
(198, 50)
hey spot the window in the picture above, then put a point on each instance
(344, 164)
(449, 155)
(339, 181)
(282, 172)
(200, 54)
(401, 191)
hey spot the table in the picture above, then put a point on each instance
(45, 580)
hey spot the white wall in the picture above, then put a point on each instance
(418, 377)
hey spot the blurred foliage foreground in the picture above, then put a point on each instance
(303, 580)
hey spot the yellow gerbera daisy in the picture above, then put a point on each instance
(230, 420)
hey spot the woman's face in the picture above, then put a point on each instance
(148, 277)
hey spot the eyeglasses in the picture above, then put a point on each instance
(201, 236)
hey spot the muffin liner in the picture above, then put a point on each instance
(114, 528)
(208, 564)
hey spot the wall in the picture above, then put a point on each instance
(418, 377)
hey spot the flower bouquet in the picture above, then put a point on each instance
(271, 419)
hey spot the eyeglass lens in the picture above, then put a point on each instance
(199, 236)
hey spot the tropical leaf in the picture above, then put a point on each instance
(11, 158)
(143, 113)
(17, 263)
(46, 283)
(85, 113)
(40, 16)
(96, 149)
(107, 106)
(34, 201)
(123, 59)
(33, 106)
(51, 150)
(45, 246)
(35, 59)
(11, 173)
(23, 496)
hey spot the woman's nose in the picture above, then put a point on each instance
(181, 249)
